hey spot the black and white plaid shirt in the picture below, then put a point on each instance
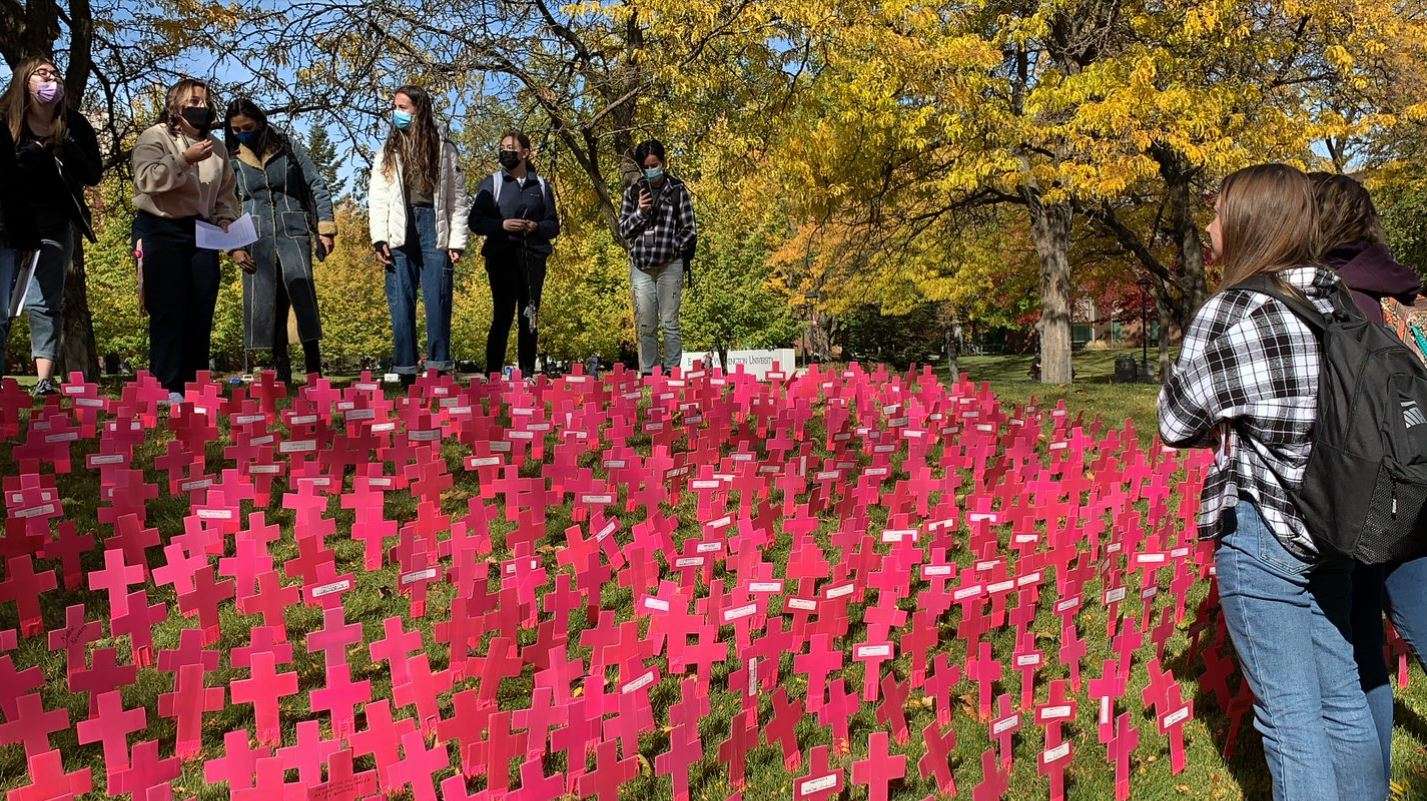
(660, 235)
(1247, 384)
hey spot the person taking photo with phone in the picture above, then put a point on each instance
(657, 224)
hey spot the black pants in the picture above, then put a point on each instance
(180, 291)
(513, 288)
(282, 359)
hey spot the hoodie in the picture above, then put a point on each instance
(1372, 274)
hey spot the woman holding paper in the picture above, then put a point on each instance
(417, 215)
(56, 155)
(289, 201)
(183, 178)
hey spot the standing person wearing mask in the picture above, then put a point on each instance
(1350, 235)
(417, 217)
(657, 222)
(55, 156)
(1246, 385)
(287, 196)
(182, 175)
(514, 209)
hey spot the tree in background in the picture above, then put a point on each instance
(324, 156)
(732, 303)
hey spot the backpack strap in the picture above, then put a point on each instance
(1301, 307)
(498, 180)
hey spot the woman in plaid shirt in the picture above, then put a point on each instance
(1246, 385)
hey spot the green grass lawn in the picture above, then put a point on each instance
(1092, 392)
(1209, 776)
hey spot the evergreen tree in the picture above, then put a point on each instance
(324, 155)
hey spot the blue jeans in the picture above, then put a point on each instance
(1289, 620)
(420, 263)
(1402, 590)
(657, 294)
(44, 303)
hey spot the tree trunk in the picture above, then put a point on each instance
(77, 349)
(1178, 177)
(1166, 320)
(1050, 230)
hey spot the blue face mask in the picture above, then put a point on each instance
(248, 138)
(401, 119)
(653, 173)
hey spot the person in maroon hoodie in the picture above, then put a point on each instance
(1351, 242)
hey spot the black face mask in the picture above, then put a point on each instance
(509, 159)
(200, 117)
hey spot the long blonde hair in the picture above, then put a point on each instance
(17, 102)
(1268, 222)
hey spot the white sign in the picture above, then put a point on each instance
(757, 363)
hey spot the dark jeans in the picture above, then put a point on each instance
(180, 291)
(1402, 590)
(516, 282)
(282, 359)
(419, 263)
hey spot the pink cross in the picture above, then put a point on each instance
(609, 773)
(186, 705)
(48, 781)
(890, 712)
(880, 768)
(821, 782)
(1123, 745)
(75, 636)
(985, 671)
(344, 784)
(995, 780)
(31, 725)
(111, 727)
(262, 689)
(23, 586)
(238, 763)
(116, 577)
(339, 697)
(934, 763)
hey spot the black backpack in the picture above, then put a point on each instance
(1365, 484)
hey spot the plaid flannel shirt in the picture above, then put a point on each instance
(1246, 383)
(660, 235)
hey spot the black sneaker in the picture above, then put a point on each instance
(43, 388)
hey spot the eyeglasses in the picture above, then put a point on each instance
(46, 72)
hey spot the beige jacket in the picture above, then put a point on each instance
(170, 187)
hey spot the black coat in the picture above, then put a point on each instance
(62, 172)
(534, 200)
(17, 223)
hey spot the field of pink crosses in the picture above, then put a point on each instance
(851, 583)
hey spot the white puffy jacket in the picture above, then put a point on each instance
(386, 203)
